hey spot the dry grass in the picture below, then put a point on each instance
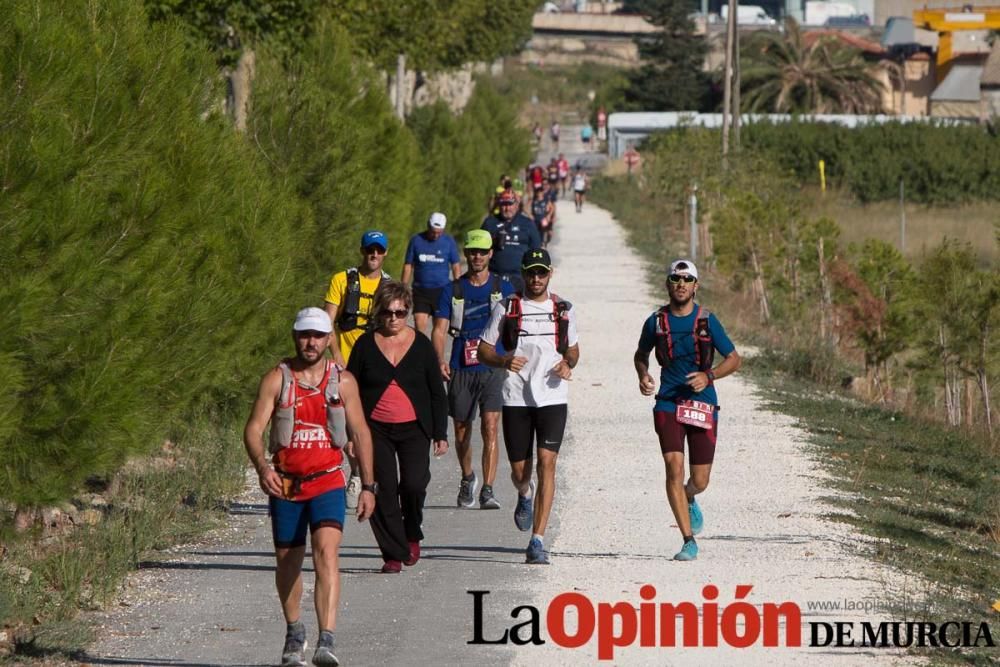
(926, 226)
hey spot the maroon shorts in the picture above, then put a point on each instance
(701, 442)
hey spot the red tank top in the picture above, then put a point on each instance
(394, 406)
(311, 449)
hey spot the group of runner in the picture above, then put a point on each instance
(362, 435)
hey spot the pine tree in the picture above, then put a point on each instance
(672, 77)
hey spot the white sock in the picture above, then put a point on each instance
(540, 538)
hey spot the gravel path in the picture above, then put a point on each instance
(214, 604)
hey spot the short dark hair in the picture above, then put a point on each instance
(387, 292)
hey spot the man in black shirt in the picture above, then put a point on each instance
(513, 235)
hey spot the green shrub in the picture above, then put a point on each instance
(140, 242)
(937, 164)
(463, 155)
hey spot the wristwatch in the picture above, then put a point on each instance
(371, 488)
(711, 376)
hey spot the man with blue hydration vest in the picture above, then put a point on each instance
(463, 311)
(685, 336)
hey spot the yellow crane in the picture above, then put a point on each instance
(947, 21)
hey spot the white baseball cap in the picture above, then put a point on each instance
(312, 319)
(683, 266)
(437, 221)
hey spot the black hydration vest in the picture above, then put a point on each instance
(350, 310)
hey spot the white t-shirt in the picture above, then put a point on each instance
(579, 183)
(535, 385)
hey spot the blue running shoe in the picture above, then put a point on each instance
(697, 519)
(688, 552)
(524, 512)
(535, 553)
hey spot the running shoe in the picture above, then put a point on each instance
(697, 519)
(323, 656)
(353, 491)
(525, 510)
(535, 553)
(293, 654)
(688, 552)
(467, 491)
(414, 554)
(392, 567)
(487, 501)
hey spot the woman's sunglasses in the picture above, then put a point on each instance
(396, 314)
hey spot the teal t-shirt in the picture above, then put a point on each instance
(673, 378)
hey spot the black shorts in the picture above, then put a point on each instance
(472, 391)
(425, 299)
(523, 425)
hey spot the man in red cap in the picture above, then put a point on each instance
(513, 234)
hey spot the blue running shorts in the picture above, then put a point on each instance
(290, 518)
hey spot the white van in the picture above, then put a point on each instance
(748, 15)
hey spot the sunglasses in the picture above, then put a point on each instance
(476, 251)
(373, 250)
(676, 278)
(396, 314)
(536, 273)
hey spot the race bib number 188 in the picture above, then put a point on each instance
(695, 413)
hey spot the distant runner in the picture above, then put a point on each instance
(562, 166)
(349, 304)
(538, 332)
(685, 336)
(311, 404)
(513, 233)
(432, 260)
(554, 133)
(462, 312)
(543, 211)
(580, 185)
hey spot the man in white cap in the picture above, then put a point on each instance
(685, 336)
(312, 406)
(432, 261)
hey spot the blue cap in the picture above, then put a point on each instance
(374, 237)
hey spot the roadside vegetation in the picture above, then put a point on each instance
(887, 359)
(152, 256)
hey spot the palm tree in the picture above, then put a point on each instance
(785, 73)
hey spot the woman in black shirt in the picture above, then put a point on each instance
(406, 406)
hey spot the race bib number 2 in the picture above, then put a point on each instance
(470, 351)
(695, 413)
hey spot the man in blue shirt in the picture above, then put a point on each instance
(685, 336)
(463, 311)
(513, 235)
(431, 261)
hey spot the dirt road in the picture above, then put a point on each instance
(215, 604)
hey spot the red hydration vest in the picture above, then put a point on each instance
(510, 328)
(308, 432)
(704, 347)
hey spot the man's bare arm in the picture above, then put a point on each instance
(253, 432)
(361, 436)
